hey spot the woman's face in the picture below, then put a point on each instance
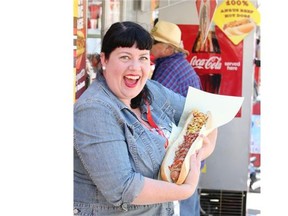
(127, 71)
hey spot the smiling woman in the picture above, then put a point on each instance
(127, 70)
(118, 149)
(130, 59)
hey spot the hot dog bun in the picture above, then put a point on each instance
(168, 160)
(239, 27)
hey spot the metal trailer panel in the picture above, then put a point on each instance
(227, 167)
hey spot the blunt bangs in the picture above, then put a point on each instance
(126, 34)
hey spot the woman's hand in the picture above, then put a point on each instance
(209, 143)
(194, 171)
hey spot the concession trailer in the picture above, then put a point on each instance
(223, 56)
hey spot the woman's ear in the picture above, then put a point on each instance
(103, 59)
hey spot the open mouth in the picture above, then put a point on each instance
(131, 81)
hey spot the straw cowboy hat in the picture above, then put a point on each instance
(169, 33)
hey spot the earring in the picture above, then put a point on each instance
(103, 68)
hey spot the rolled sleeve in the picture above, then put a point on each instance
(101, 146)
(133, 189)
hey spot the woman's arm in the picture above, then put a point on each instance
(157, 191)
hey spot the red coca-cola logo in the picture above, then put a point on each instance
(212, 63)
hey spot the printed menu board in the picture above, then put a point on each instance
(79, 42)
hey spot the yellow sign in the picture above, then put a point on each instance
(236, 18)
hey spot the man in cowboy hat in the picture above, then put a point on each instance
(172, 69)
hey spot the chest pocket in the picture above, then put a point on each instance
(165, 118)
(146, 149)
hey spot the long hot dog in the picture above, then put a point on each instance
(239, 27)
(175, 165)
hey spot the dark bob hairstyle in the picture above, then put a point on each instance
(126, 34)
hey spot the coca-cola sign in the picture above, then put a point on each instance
(212, 63)
(219, 67)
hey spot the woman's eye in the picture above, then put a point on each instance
(144, 58)
(125, 57)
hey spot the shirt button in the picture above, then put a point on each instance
(124, 206)
(75, 211)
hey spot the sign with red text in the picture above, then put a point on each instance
(79, 42)
(236, 18)
(219, 64)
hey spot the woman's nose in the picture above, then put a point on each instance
(135, 65)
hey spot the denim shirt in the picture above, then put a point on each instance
(113, 151)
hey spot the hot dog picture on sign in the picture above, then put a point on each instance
(237, 19)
